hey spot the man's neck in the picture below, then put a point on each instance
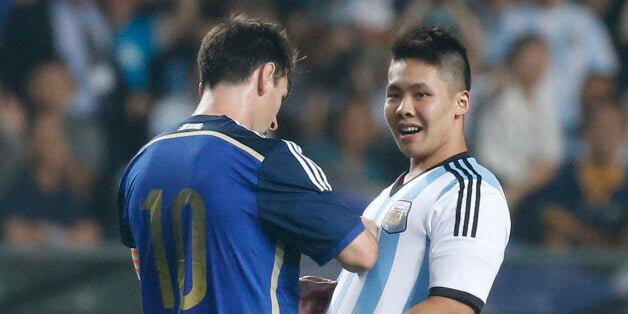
(228, 100)
(420, 165)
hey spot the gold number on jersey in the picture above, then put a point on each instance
(186, 197)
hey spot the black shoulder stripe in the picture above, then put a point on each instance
(462, 172)
(467, 213)
(460, 196)
(476, 215)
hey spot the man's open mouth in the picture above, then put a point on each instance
(408, 130)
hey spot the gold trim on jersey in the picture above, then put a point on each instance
(274, 278)
(225, 137)
(153, 204)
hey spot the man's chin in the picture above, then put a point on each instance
(407, 151)
(413, 153)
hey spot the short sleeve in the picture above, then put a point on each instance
(298, 207)
(463, 265)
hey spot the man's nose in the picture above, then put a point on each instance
(405, 108)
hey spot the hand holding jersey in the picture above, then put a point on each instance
(371, 226)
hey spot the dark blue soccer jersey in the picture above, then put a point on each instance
(221, 215)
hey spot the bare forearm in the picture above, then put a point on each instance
(440, 305)
(362, 253)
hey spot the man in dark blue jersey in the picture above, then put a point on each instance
(217, 215)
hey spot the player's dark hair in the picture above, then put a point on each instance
(233, 49)
(436, 46)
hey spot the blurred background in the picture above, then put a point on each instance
(85, 83)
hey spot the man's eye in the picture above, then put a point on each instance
(392, 96)
(421, 94)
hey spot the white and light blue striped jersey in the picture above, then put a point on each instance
(445, 230)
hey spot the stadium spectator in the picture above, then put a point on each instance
(153, 47)
(82, 39)
(519, 133)
(368, 67)
(26, 40)
(78, 37)
(65, 156)
(43, 206)
(143, 29)
(350, 160)
(52, 91)
(171, 84)
(586, 204)
(579, 44)
(75, 32)
(172, 73)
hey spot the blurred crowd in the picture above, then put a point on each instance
(85, 83)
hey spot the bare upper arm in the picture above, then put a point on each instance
(441, 305)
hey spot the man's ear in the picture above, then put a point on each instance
(463, 102)
(265, 77)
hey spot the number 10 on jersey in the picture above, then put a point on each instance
(186, 197)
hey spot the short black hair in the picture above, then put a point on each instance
(233, 49)
(437, 46)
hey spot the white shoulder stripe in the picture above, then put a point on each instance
(304, 165)
(311, 169)
(320, 175)
(317, 170)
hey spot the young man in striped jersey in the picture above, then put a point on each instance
(444, 223)
(217, 214)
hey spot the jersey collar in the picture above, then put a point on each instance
(399, 181)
